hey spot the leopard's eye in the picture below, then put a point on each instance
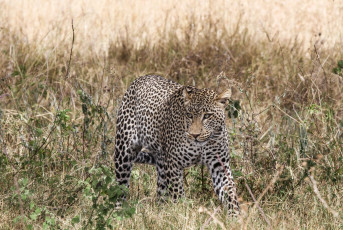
(189, 115)
(207, 115)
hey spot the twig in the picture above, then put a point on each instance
(287, 114)
(212, 215)
(316, 191)
(272, 182)
(71, 49)
(321, 65)
(53, 127)
(209, 219)
(257, 204)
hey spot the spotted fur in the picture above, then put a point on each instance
(172, 127)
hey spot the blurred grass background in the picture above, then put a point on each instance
(283, 60)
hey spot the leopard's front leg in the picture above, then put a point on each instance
(223, 183)
(169, 181)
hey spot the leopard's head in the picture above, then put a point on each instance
(204, 113)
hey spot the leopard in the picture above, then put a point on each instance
(172, 127)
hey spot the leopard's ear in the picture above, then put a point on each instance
(186, 93)
(224, 97)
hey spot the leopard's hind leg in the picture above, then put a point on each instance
(126, 148)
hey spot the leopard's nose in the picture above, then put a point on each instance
(195, 135)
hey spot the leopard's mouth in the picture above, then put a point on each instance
(199, 139)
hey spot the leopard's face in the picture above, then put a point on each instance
(204, 114)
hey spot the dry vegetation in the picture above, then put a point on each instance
(58, 109)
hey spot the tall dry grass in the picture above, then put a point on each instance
(100, 23)
(57, 115)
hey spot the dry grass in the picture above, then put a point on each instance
(101, 23)
(277, 56)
